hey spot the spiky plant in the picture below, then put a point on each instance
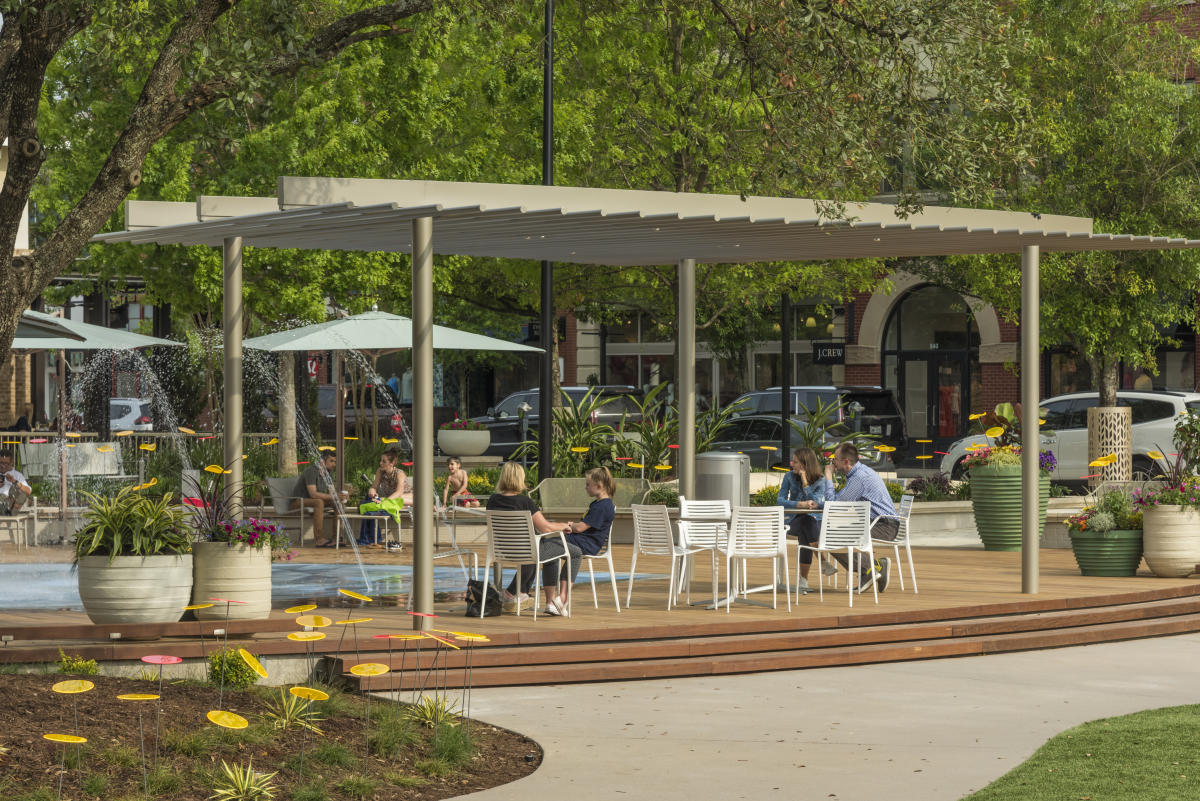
(242, 783)
(290, 710)
(433, 711)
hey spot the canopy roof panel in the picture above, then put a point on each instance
(600, 226)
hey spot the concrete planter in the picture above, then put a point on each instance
(1171, 540)
(236, 572)
(135, 589)
(461, 442)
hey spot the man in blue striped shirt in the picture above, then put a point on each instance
(864, 484)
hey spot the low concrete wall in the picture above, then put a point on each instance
(941, 522)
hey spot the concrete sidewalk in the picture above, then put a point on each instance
(916, 730)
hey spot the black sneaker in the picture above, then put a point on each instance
(865, 579)
(885, 568)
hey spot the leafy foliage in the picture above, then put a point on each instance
(227, 666)
(130, 524)
(433, 711)
(73, 664)
(287, 710)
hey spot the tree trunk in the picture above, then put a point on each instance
(287, 414)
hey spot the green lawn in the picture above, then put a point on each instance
(1147, 756)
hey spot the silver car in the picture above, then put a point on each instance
(1065, 432)
(130, 414)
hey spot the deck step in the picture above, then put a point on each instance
(568, 662)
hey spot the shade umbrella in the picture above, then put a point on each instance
(373, 331)
(40, 331)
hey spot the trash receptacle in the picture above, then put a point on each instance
(723, 477)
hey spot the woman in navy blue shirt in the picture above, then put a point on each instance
(591, 533)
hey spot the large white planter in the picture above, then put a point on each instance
(135, 589)
(234, 572)
(461, 442)
(1171, 540)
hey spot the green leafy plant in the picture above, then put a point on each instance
(1187, 440)
(933, 488)
(666, 496)
(767, 496)
(820, 429)
(229, 664)
(288, 710)
(360, 787)
(462, 424)
(242, 783)
(578, 442)
(433, 711)
(130, 524)
(73, 664)
(452, 745)
(1113, 509)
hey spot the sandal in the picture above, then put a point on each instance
(326, 544)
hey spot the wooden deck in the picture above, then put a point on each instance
(969, 603)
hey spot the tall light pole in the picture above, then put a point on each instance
(549, 329)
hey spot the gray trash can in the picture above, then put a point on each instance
(723, 476)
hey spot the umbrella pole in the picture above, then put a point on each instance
(62, 444)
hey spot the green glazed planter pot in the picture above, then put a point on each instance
(996, 501)
(1107, 553)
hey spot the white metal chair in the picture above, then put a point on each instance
(440, 518)
(755, 532)
(703, 526)
(604, 555)
(845, 526)
(513, 540)
(652, 535)
(901, 517)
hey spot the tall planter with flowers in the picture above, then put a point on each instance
(995, 472)
(1107, 536)
(1171, 526)
(232, 558)
(463, 438)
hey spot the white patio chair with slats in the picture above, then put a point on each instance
(513, 540)
(755, 532)
(605, 555)
(903, 512)
(845, 527)
(653, 536)
(703, 526)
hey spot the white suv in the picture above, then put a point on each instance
(1065, 432)
(130, 414)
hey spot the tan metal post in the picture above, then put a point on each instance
(1030, 429)
(232, 320)
(422, 356)
(685, 378)
(62, 444)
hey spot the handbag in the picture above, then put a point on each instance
(490, 597)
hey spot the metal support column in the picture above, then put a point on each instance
(1030, 433)
(785, 375)
(546, 399)
(422, 360)
(685, 373)
(232, 321)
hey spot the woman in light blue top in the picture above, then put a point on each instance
(804, 487)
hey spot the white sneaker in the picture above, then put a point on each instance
(552, 609)
(828, 566)
(802, 586)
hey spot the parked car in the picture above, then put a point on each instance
(392, 416)
(749, 434)
(504, 420)
(869, 410)
(1065, 432)
(130, 414)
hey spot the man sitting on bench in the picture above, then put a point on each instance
(15, 490)
(315, 491)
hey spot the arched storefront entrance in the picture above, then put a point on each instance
(930, 357)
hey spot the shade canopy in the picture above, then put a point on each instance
(601, 226)
(375, 331)
(39, 331)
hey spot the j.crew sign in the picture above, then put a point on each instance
(829, 353)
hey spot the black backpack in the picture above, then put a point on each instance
(475, 591)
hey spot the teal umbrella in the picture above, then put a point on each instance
(38, 331)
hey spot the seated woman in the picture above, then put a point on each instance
(390, 482)
(456, 491)
(804, 488)
(510, 497)
(591, 533)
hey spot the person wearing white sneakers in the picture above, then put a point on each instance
(590, 534)
(509, 496)
(804, 487)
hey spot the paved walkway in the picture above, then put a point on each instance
(918, 730)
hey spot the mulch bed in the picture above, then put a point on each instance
(191, 748)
